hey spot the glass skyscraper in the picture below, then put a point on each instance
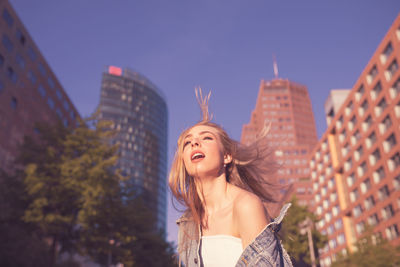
(139, 113)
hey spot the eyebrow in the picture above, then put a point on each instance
(201, 133)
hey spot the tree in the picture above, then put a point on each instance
(371, 251)
(70, 196)
(296, 243)
(20, 244)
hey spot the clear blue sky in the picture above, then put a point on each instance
(222, 45)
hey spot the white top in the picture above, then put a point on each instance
(220, 250)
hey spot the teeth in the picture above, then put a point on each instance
(197, 155)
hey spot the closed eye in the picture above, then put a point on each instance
(186, 143)
(208, 138)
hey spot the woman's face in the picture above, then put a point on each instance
(203, 153)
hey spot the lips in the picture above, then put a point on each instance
(197, 156)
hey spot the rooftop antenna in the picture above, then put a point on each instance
(275, 66)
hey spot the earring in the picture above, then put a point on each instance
(224, 165)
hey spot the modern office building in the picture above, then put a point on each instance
(355, 167)
(287, 106)
(139, 113)
(29, 90)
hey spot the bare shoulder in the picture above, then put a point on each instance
(249, 215)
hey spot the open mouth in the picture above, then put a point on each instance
(197, 155)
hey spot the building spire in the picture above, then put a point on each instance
(275, 66)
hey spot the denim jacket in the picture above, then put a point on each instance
(265, 250)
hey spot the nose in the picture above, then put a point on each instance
(195, 142)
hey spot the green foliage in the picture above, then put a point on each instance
(68, 197)
(20, 244)
(296, 243)
(372, 251)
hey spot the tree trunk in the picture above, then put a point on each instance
(53, 252)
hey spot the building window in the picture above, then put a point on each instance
(371, 140)
(392, 232)
(51, 82)
(50, 102)
(395, 89)
(355, 137)
(342, 135)
(20, 37)
(372, 74)
(389, 143)
(341, 239)
(365, 186)
(354, 195)
(1, 60)
(58, 93)
(7, 17)
(376, 90)
(385, 124)
(7, 43)
(367, 123)
(374, 157)
(360, 92)
(381, 107)
(14, 103)
(357, 211)
(349, 108)
(386, 53)
(42, 69)
(31, 53)
(383, 192)
(348, 164)
(379, 175)
(369, 202)
(396, 182)
(12, 74)
(351, 179)
(339, 122)
(359, 152)
(352, 123)
(1, 87)
(362, 169)
(59, 113)
(32, 77)
(20, 61)
(338, 224)
(42, 91)
(360, 227)
(373, 219)
(66, 105)
(345, 149)
(394, 162)
(391, 70)
(387, 212)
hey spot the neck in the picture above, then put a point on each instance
(215, 193)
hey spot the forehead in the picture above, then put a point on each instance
(200, 129)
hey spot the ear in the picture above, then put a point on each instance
(227, 158)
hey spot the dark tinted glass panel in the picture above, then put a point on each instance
(32, 53)
(20, 37)
(50, 102)
(20, 60)
(7, 43)
(42, 70)
(42, 91)
(14, 103)
(7, 17)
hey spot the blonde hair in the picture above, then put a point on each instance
(252, 167)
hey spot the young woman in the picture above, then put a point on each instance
(223, 183)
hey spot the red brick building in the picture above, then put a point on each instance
(29, 90)
(355, 167)
(287, 106)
